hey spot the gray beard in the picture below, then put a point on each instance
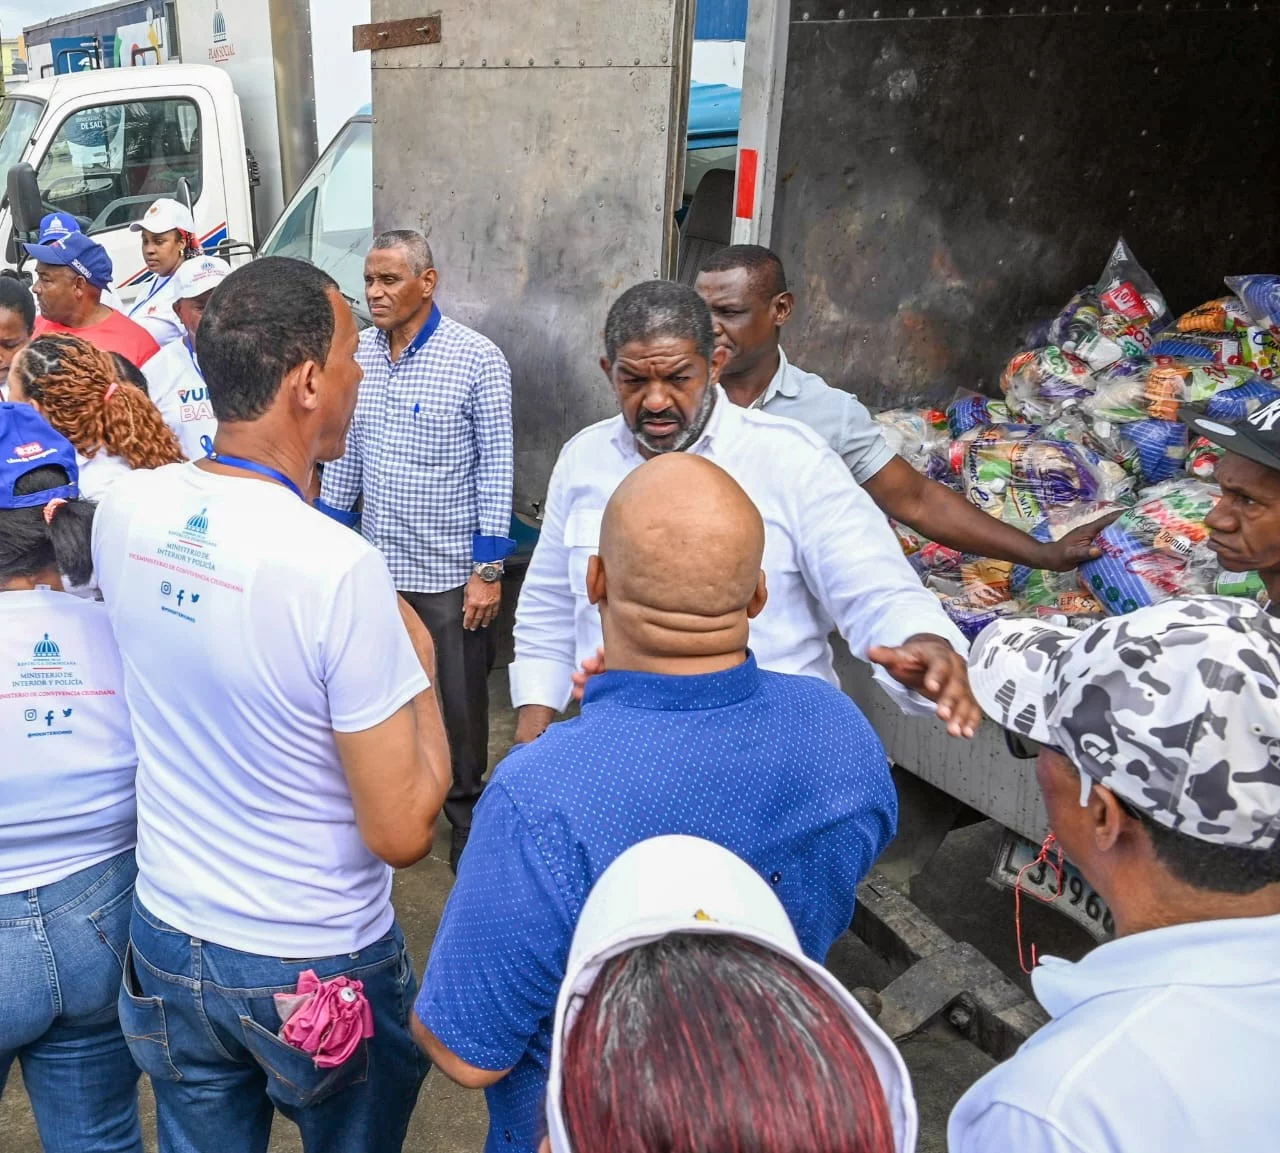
(689, 434)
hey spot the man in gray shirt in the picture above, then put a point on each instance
(745, 287)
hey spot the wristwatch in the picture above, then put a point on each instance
(488, 571)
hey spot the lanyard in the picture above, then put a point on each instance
(159, 284)
(249, 466)
(191, 352)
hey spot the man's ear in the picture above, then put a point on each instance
(783, 304)
(1107, 817)
(303, 383)
(430, 278)
(607, 369)
(719, 358)
(597, 592)
(759, 598)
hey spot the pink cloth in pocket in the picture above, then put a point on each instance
(327, 1019)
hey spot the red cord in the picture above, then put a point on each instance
(1049, 845)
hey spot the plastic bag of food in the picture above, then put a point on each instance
(1157, 549)
(1129, 339)
(1126, 289)
(983, 459)
(1225, 314)
(1037, 382)
(1261, 296)
(919, 435)
(1252, 347)
(1138, 389)
(1202, 458)
(1160, 446)
(972, 410)
(936, 558)
(1078, 321)
(972, 610)
(1236, 403)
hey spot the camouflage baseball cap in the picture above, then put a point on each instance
(1175, 708)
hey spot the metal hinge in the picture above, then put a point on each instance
(396, 34)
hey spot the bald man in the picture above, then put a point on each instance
(682, 733)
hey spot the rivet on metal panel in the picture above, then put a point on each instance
(884, 216)
(892, 149)
(637, 59)
(1010, 199)
(911, 11)
(484, 63)
(461, 63)
(530, 61)
(977, 11)
(1011, 11)
(557, 61)
(1032, 74)
(1156, 70)
(1022, 137)
(664, 58)
(581, 63)
(804, 15)
(497, 196)
(840, 14)
(1044, 8)
(1144, 132)
(1132, 193)
(1231, 235)
(507, 61)
(874, 15)
(1000, 261)
(944, 11)
(608, 63)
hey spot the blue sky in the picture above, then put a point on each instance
(16, 14)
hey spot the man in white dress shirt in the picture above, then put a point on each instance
(830, 559)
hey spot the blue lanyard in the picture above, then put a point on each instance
(159, 284)
(191, 352)
(249, 466)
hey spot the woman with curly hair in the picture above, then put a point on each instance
(168, 239)
(113, 424)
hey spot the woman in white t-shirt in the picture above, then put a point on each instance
(112, 424)
(67, 824)
(168, 238)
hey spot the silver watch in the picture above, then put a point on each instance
(488, 571)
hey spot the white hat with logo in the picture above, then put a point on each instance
(164, 216)
(678, 884)
(199, 275)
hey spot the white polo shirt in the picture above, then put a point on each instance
(65, 741)
(154, 311)
(831, 560)
(251, 628)
(1163, 1041)
(177, 389)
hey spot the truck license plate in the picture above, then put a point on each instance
(1079, 901)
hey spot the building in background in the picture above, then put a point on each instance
(13, 57)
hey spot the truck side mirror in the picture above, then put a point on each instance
(24, 199)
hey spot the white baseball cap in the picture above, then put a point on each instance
(199, 275)
(679, 884)
(164, 216)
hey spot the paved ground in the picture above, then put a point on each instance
(953, 890)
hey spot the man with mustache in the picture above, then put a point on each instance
(830, 558)
(1244, 527)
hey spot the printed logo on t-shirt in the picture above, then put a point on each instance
(179, 602)
(49, 723)
(194, 405)
(191, 544)
(48, 667)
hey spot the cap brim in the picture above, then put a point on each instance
(49, 254)
(1009, 672)
(1237, 438)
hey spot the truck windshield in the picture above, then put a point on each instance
(18, 120)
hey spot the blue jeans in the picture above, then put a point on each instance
(201, 1021)
(61, 951)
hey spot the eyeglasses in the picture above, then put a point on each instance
(1021, 748)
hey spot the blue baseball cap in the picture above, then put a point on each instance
(28, 442)
(57, 226)
(76, 251)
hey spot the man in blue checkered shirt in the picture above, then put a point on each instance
(430, 452)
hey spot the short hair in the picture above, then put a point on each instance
(1235, 869)
(416, 249)
(763, 265)
(696, 1041)
(659, 308)
(262, 322)
(130, 373)
(16, 297)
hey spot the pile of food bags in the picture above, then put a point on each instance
(1088, 426)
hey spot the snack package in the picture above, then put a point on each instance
(1157, 388)
(936, 559)
(1127, 290)
(920, 436)
(910, 540)
(1203, 457)
(1037, 382)
(966, 412)
(1261, 296)
(1225, 314)
(1130, 339)
(1241, 584)
(1160, 446)
(974, 609)
(1250, 347)
(1236, 403)
(1078, 321)
(983, 459)
(1157, 549)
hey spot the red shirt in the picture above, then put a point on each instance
(115, 334)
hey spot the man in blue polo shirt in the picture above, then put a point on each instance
(682, 734)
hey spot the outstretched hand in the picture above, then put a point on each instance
(930, 666)
(1076, 547)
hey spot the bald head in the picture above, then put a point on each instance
(680, 549)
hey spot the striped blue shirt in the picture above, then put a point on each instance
(430, 449)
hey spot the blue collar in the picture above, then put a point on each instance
(425, 333)
(667, 693)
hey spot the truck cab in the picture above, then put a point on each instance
(105, 143)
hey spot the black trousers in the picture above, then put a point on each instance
(463, 662)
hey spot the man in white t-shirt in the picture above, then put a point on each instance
(290, 749)
(174, 379)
